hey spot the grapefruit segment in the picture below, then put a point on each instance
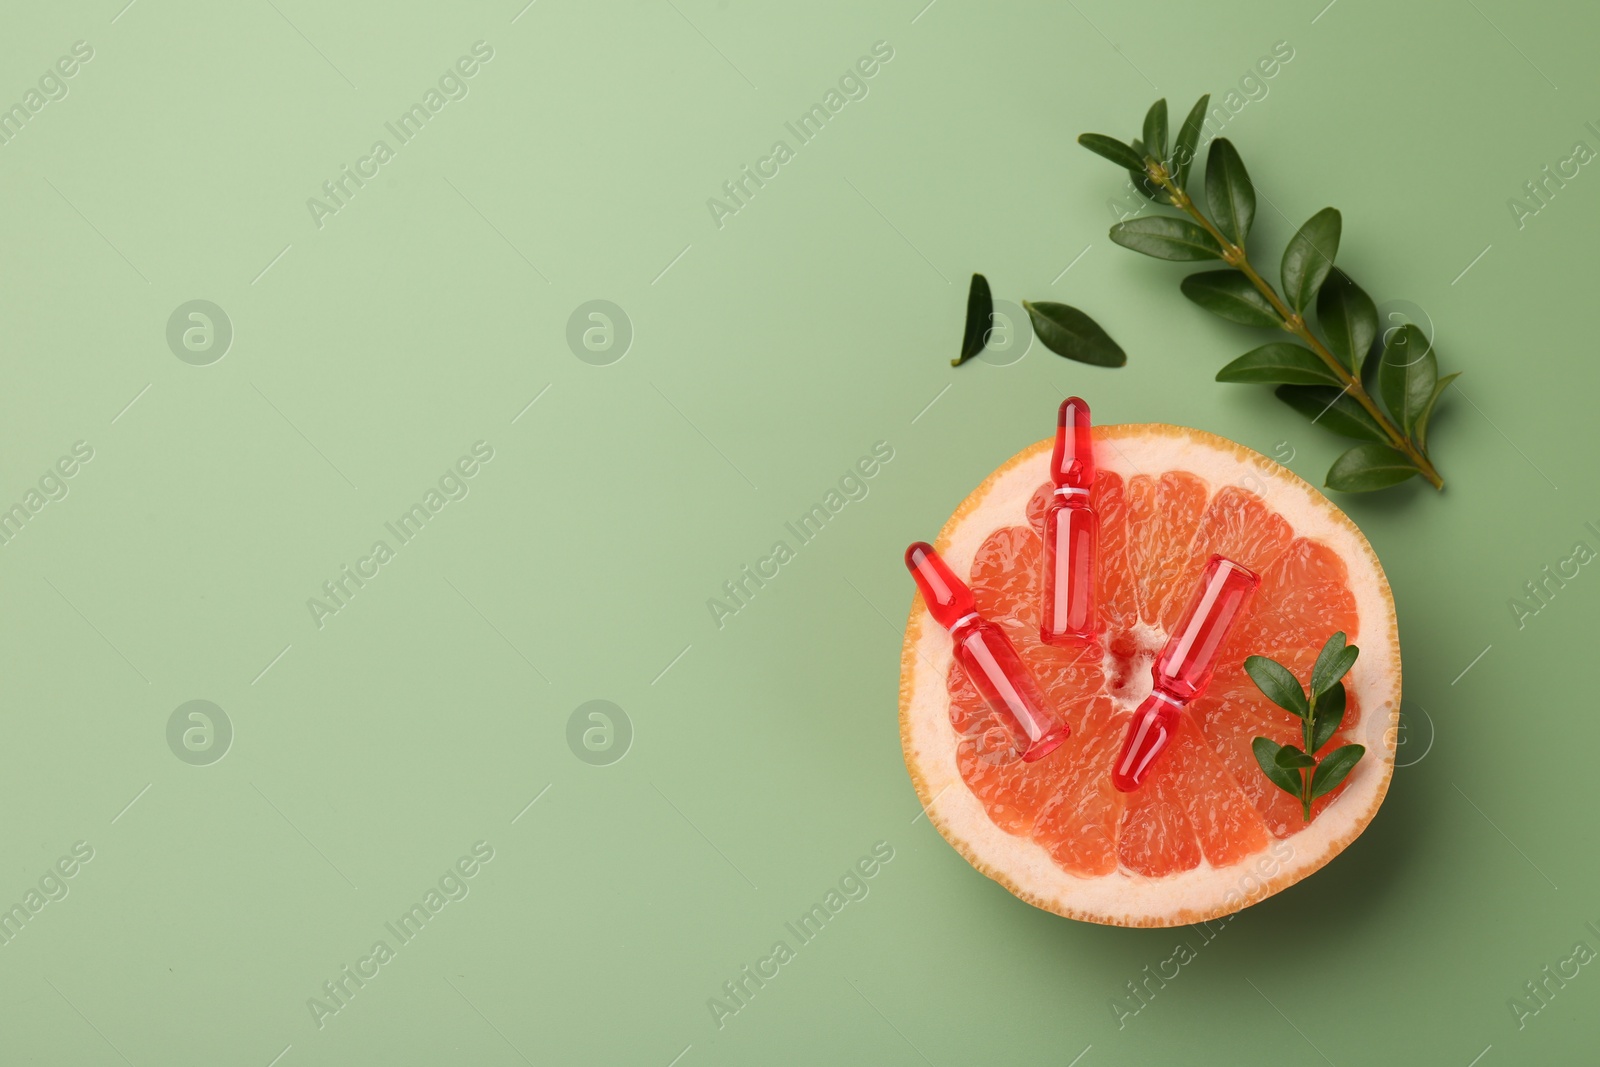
(1225, 819)
(1114, 587)
(1304, 596)
(1164, 511)
(1012, 792)
(1236, 524)
(1078, 826)
(1197, 840)
(1156, 838)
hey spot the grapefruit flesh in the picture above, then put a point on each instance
(1208, 833)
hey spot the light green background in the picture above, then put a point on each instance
(767, 357)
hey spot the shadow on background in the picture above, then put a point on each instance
(1338, 902)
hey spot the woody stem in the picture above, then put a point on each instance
(1235, 256)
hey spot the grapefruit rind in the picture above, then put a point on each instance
(1206, 892)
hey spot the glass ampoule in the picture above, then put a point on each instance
(988, 657)
(1067, 611)
(1185, 666)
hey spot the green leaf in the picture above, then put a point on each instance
(1280, 361)
(1368, 467)
(1155, 130)
(1407, 375)
(1292, 759)
(1330, 647)
(1333, 409)
(1348, 318)
(1187, 145)
(1327, 715)
(1420, 431)
(1228, 293)
(1369, 368)
(1280, 686)
(1228, 191)
(980, 316)
(1334, 768)
(1121, 154)
(1166, 237)
(1266, 751)
(1066, 331)
(1309, 257)
(1333, 662)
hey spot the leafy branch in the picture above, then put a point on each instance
(1296, 770)
(1329, 379)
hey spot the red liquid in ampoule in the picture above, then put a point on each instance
(1184, 668)
(1067, 613)
(988, 657)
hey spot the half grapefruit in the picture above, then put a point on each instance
(1207, 834)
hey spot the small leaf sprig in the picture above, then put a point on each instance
(1296, 770)
(1329, 379)
(1064, 329)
